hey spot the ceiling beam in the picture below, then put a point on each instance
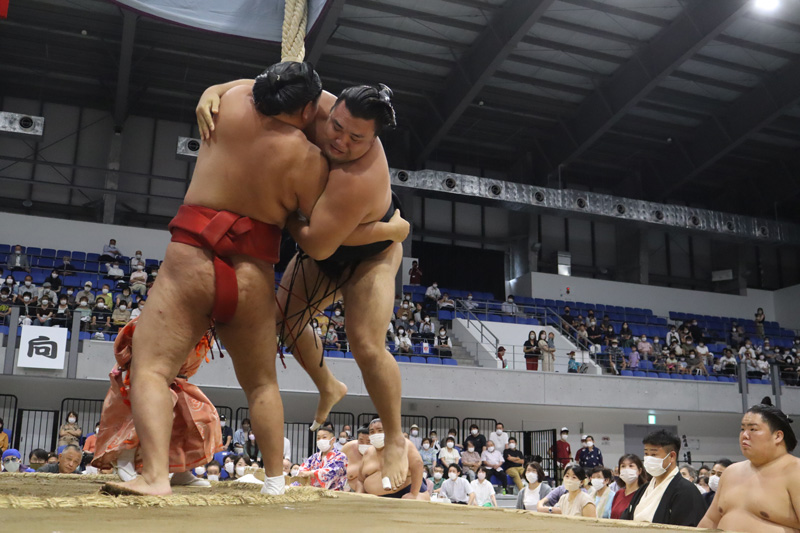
(324, 31)
(125, 64)
(699, 24)
(746, 115)
(506, 29)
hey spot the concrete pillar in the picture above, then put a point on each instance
(112, 178)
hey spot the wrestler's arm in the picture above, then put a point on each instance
(209, 105)
(340, 209)
(793, 482)
(415, 467)
(395, 230)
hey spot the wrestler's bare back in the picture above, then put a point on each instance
(760, 500)
(256, 165)
(371, 467)
(354, 460)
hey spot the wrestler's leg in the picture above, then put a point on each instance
(308, 284)
(249, 338)
(175, 319)
(369, 296)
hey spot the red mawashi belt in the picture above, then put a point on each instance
(225, 234)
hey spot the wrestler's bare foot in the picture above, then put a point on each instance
(138, 486)
(395, 462)
(329, 397)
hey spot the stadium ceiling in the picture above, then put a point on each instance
(693, 102)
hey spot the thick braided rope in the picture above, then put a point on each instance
(293, 38)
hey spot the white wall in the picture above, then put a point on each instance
(661, 300)
(787, 306)
(83, 236)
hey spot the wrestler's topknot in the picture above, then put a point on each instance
(370, 102)
(286, 88)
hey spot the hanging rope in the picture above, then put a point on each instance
(293, 38)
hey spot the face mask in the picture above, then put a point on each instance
(376, 439)
(490, 449)
(239, 471)
(451, 445)
(323, 445)
(54, 275)
(63, 302)
(510, 301)
(27, 283)
(572, 485)
(229, 468)
(469, 298)
(405, 306)
(401, 332)
(84, 304)
(212, 477)
(564, 436)
(474, 431)
(713, 483)
(424, 474)
(139, 267)
(45, 301)
(10, 281)
(481, 475)
(154, 274)
(589, 444)
(761, 357)
(362, 448)
(4, 296)
(101, 305)
(598, 484)
(414, 432)
(471, 449)
(200, 470)
(87, 288)
(435, 285)
(628, 475)
(532, 477)
(105, 291)
(72, 420)
(499, 431)
(512, 445)
(337, 313)
(691, 356)
(18, 252)
(251, 437)
(138, 256)
(452, 475)
(437, 476)
(342, 440)
(427, 320)
(123, 307)
(442, 333)
(654, 466)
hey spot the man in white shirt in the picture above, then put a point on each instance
(137, 260)
(287, 448)
(432, 295)
(509, 307)
(493, 462)
(114, 271)
(499, 437)
(469, 303)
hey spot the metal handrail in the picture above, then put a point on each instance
(483, 329)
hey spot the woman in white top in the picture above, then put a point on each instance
(575, 502)
(482, 491)
(449, 455)
(456, 489)
(536, 489)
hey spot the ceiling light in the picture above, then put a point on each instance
(767, 5)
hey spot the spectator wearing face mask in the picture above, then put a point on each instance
(62, 313)
(240, 466)
(85, 311)
(589, 456)
(428, 454)
(443, 345)
(251, 448)
(482, 491)
(631, 472)
(446, 303)
(536, 490)
(137, 311)
(341, 441)
(476, 438)
(101, 317)
(27, 309)
(91, 441)
(414, 436)
(509, 307)
(213, 471)
(601, 480)
(44, 312)
(499, 437)
(17, 261)
(470, 461)
(105, 296)
(326, 468)
(11, 461)
(54, 279)
(426, 329)
(493, 461)
(414, 274)
(70, 432)
(120, 316)
(228, 467)
(713, 479)
(331, 341)
(727, 362)
(86, 293)
(227, 433)
(403, 342)
(114, 272)
(47, 292)
(456, 488)
(562, 450)
(575, 501)
(644, 347)
(28, 286)
(449, 454)
(531, 350)
(404, 312)
(438, 478)
(470, 302)
(513, 463)
(137, 260)
(138, 280)
(432, 295)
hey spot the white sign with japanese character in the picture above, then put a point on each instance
(42, 347)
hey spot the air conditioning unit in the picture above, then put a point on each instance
(187, 148)
(22, 126)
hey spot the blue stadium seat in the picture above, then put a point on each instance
(4, 330)
(418, 359)
(402, 359)
(674, 376)
(626, 373)
(48, 252)
(652, 375)
(637, 373)
(46, 262)
(32, 251)
(78, 255)
(663, 375)
(5, 248)
(348, 355)
(434, 360)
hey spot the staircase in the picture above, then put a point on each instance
(461, 354)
